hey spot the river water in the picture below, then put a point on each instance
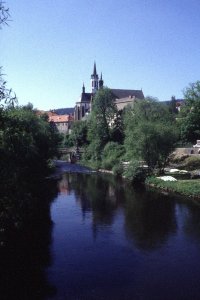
(110, 241)
(107, 240)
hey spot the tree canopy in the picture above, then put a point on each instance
(103, 113)
(150, 133)
(190, 122)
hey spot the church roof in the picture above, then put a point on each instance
(119, 93)
(85, 97)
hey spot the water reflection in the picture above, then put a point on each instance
(111, 241)
(192, 222)
(99, 194)
(25, 253)
(149, 217)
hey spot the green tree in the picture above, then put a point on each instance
(190, 121)
(102, 117)
(117, 132)
(150, 133)
(27, 142)
(78, 134)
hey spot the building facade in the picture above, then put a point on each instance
(122, 97)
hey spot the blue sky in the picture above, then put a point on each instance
(49, 48)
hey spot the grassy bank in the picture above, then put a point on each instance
(189, 188)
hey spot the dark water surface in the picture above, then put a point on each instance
(110, 241)
(107, 241)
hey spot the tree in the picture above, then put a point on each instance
(79, 133)
(102, 118)
(27, 142)
(190, 122)
(150, 133)
(4, 13)
(117, 132)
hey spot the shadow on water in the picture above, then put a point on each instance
(144, 245)
(25, 234)
(118, 254)
(149, 216)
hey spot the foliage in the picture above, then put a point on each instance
(93, 151)
(190, 124)
(192, 163)
(78, 135)
(117, 131)
(190, 121)
(27, 142)
(118, 169)
(4, 14)
(150, 133)
(7, 96)
(103, 113)
(135, 172)
(192, 93)
(111, 155)
(184, 187)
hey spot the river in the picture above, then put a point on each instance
(108, 240)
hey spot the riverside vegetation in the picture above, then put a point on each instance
(145, 133)
(27, 145)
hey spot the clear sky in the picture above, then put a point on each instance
(49, 48)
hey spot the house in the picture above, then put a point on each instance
(123, 97)
(63, 122)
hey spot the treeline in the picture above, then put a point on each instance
(27, 143)
(144, 133)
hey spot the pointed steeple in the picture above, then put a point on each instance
(94, 71)
(94, 80)
(101, 82)
(83, 88)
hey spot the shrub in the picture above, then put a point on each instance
(135, 172)
(117, 170)
(112, 155)
(192, 163)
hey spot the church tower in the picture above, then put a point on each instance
(94, 80)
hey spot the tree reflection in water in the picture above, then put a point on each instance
(149, 217)
(24, 251)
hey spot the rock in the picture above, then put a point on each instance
(167, 178)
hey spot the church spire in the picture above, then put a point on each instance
(94, 80)
(101, 82)
(94, 71)
(83, 88)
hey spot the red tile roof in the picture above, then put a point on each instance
(60, 119)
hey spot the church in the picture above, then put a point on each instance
(122, 97)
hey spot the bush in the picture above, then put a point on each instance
(117, 170)
(112, 155)
(192, 163)
(135, 172)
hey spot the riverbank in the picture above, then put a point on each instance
(189, 188)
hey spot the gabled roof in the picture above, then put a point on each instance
(60, 119)
(119, 93)
(85, 97)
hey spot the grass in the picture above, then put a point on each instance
(185, 187)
